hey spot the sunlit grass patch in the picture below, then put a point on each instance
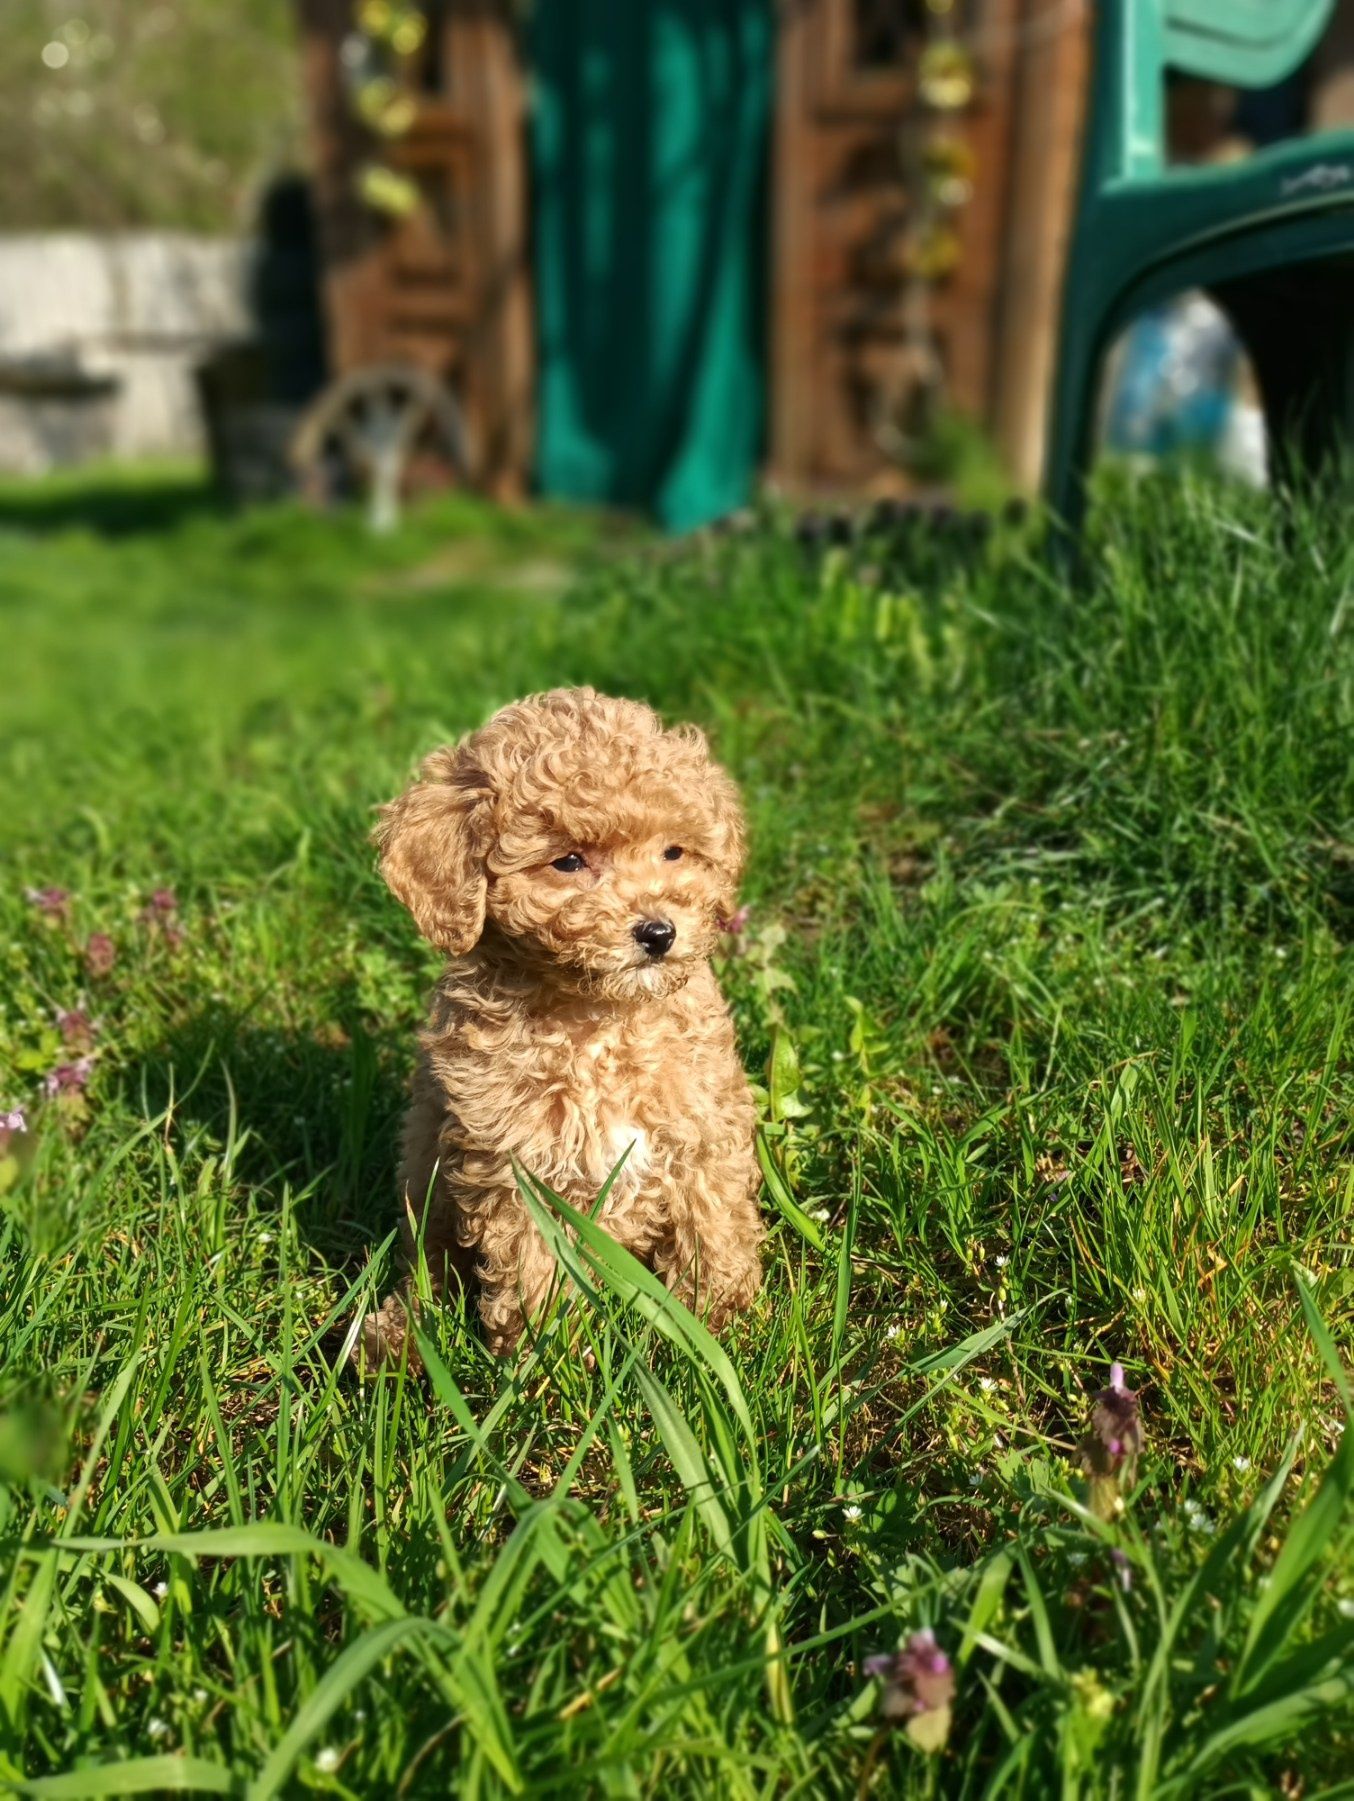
(1043, 978)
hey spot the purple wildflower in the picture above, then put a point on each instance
(68, 1078)
(52, 903)
(918, 1680)
(160, 916)
(100, 954)
(736, 924)
(76, 1028)
(13, 1121)
(1110, 1450)
(1116, 1427)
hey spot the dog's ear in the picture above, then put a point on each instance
(729, 841)
(431, 852)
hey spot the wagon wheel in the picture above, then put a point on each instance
(385, 432)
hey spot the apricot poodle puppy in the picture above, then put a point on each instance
(574, 860)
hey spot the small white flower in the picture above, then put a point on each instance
(821, 1214)
(160, 1590)
(1139, 1294)
(359, 1714)
(987, 1384)
(200, 1696)
(893, 1330)
(327, 1760)
(976, 1479)
(1001, 1262)
(851, 1512)
(157, 1728)
(1241, 1465)
(265, 1238)
(1345, 1607)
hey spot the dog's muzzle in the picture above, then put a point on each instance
(655, 936)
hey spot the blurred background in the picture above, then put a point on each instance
(649, 255)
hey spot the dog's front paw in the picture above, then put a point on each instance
(384, 1338)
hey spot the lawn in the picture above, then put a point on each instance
(1043, 978)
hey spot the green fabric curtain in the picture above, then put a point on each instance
(650, 144)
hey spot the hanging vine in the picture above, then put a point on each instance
(378, 57)
(938, 172)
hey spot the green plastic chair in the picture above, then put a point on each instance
(1271, 238)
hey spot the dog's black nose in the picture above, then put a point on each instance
(656, 935)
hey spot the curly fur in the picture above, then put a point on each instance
(554, 1040)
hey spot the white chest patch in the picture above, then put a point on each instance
(629, 1138)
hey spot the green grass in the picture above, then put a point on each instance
(1044, 978)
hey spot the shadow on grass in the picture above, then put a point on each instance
(314, 1113)
(116, 505)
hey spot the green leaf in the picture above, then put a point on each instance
(138, 1776)
(639, 1288)
(783, 1077)
(1289, 1591)
(846, 1244)
(333, 1688)
(263, 1538)
(1325, 1343)
(1284, 1719)
(25, 1641)
(785, 1203)
(137, 1599)
(991, 1587)
(686, 1458)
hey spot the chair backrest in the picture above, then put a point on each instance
(1246, 43)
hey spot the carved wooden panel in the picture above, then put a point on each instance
(847, 88)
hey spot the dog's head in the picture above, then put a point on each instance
(577, 837)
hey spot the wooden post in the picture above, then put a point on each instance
(488, 89)
(791, 292)
(1051, 76)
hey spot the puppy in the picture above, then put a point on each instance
(574, 860)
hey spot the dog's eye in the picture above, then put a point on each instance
(567, 865)
(673, 852)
